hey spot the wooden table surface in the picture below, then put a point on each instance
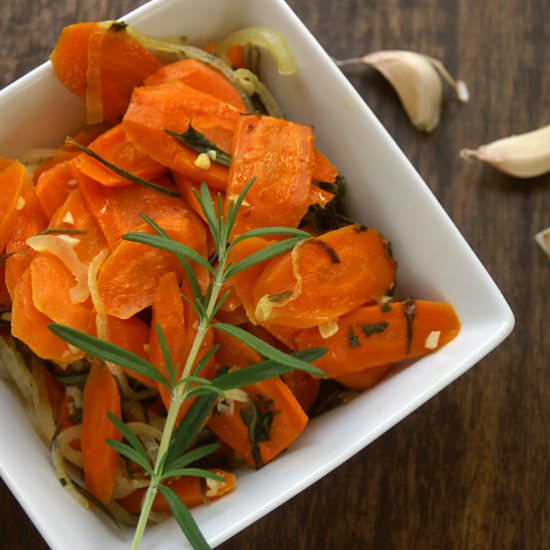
(470, 469)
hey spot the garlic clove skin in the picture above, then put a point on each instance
(416, 78)
(523, 156)
(543, 240)
(416, 83)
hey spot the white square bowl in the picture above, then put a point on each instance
(385, 192)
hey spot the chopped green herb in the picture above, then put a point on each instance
(258, 418)
(385, 307)
(61, 231)
(409, 309)
(353, 339)
(328, 249)
(373, 328)
(201, 144)
(280, 296)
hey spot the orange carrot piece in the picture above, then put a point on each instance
(363, 379)
(323, 170)
(117, 209)
(304, 387)
(54, 185)
(100, 397)
(114, 146)
(31, 326)
(132, 335)
(188, 187)
(173, 107)
(283, 420)
(376, 335)
(129, 277)
(13, 176)
(200, 76)
(29, 221)
(319, 196)
(234, 352)
(324, 277)
(278, 154)
(5, 298)
(124, 64)
(236, 56)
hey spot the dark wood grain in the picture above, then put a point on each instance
(470, 469)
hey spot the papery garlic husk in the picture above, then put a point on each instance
(416, 79)
(523, 155)
(543, 240)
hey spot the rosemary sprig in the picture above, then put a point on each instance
(199, 143)
(173, 456)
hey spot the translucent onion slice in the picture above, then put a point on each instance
(268, 39)
(64, 440)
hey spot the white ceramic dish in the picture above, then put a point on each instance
(385, 192)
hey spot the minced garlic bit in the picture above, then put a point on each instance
(432, 340)
(203, 162)
(68, 218)
(76, 393)
(20, 203)
(328, 329)
(226, 404)
(212, 155)
(543, 240)
(213, 487)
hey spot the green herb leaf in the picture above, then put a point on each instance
(134, 441)
(200, 144)
(268, 351)
(186, 432)
(170, 245)
(194, 456)
(205, 201)
(262, 255)
(61, 231)
(166, 354)
(185, 519)
(205, 358)
(108, 352)
(121, 172)
(263, 371)
(271, 231)
(373, 328)
(130, 453)
(234, 206)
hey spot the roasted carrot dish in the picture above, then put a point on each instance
(187, 236)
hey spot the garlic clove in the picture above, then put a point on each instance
(416, 78)
(543, 240)
(523, 155)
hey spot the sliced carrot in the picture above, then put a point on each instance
(129, 277)
(29, 221)
(117, 210)
(236, 56)
(319, 196)
(54, 185)
(100, 397)
(114, 146)
(124, 64)
(200, 76)
(375, 335)
(323, 170)
(174, 107)
(55, 390)
(234, 352)
(279, 419)
(244, 281)
(363, 379)
(324, 277)
(304, 387)
(5, 298)
(132, 335)
(31, 326)
(188, 188)
(233, 317)
(278, 154)
(13, 176)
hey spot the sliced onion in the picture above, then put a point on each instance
(268, 39)
(252, 84)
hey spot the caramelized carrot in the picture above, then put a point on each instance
(200, 76)
(114, 146)
(123, 64)
(100, 397)
(29, 221)
(324, 277)
(278, 154)
(234, 352)
(12, 179)
(31, 326)
(323, 170)
(129, 277)
(304, 387)
(117, 210)
(376, 335)
(188, 188)
(54, 185)
(260, 430)
(173, 107)
(5, 298)
(363, 379)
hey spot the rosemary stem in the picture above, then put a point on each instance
(175, 405)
